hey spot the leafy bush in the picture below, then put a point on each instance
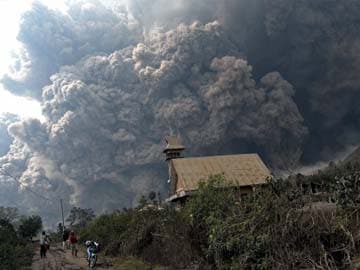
(146, 233)
(206, 211)
(30, 226)
(80, 217)
(107, 230)
(159, 236)
(14, 253)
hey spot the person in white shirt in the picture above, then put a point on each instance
(42, 245)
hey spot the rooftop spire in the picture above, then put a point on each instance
(173, 148)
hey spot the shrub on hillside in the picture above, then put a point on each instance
(159, 236)
(29, 226)
(107, 230)
(14, 253)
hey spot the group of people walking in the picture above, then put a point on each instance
(70, 241)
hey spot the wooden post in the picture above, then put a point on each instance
(62, 215)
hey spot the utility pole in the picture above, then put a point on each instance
(62, 215)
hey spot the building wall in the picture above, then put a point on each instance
(173, 178)
(246, 189)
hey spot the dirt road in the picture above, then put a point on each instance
(58, 259)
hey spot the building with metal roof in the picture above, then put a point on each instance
(244, 171)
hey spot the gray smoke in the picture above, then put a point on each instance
(167, 15)
(315, 46)
(273, 77)
(52, 39)
(6, 119)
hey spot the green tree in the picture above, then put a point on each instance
(80, 217)
(211, 204)
(9, 213)
(30, 226)
(14, 254)
(7, 239)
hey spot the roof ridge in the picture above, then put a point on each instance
(226, 155)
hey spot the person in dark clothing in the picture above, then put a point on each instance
(65, 236)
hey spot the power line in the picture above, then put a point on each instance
(10, 203)
(6, 173)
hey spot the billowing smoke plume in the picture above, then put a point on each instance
(273, 77)
(6, 120)
(315, 46)
(52, 39)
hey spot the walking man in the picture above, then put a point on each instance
(42, 245)
(73, 243)
(65, 239)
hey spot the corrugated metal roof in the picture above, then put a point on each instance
(239, 170)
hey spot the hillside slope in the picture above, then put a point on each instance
(354, 156)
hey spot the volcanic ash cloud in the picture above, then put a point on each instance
(112, 83)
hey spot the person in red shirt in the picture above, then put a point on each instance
(73, 243)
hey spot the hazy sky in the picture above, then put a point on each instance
(10, 15)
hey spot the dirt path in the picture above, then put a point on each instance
(58, 259)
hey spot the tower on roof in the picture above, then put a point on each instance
(173, 148)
